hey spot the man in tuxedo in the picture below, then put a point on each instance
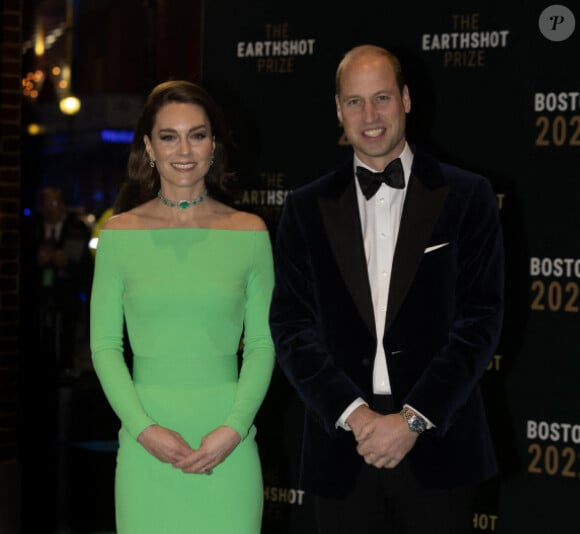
(386, 311)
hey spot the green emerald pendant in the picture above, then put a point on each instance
(183, 204)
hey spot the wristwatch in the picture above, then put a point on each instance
(416, 422)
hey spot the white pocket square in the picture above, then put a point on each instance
(435, 247)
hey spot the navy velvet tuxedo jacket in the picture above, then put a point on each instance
(443, 320)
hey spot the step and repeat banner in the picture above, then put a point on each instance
(495, 88)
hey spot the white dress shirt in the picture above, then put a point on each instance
(380, 219)
(52, 231)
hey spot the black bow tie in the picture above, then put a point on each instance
(371, 181)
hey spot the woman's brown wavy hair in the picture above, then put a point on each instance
(142, 182)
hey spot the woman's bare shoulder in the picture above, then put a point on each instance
(121, 221)
(243, 220)
(135, 219)
(229, 218)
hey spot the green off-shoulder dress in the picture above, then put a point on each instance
(187, 296)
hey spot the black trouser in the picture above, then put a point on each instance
(391, 501)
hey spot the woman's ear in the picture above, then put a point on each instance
(148, 148)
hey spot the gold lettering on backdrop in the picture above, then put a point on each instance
(278, 497)
(494, 364)
(554, 286)
(284, 495)
(272, 510)
(558, 122)
(277, 31)
(272, 180)
(278, 50)
(485, 522)
(558, 131)
(279, 64)
(466, 44)
(555, 296)
(500, 198)
(559, 458)
(270, 192)
(465, 22)
(552, 461)
(464, 58)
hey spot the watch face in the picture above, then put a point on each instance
(416, 424)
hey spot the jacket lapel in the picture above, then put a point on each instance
(423, 203)
(341, 220)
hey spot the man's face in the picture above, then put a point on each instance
(372, 109)
(52, 206)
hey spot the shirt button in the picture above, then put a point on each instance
(383, 235)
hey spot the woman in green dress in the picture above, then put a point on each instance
(191, 278)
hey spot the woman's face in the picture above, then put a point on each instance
(181, 145)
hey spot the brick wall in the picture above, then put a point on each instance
(10, 109)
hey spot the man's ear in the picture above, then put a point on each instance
(406, 99)
(338, 110)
